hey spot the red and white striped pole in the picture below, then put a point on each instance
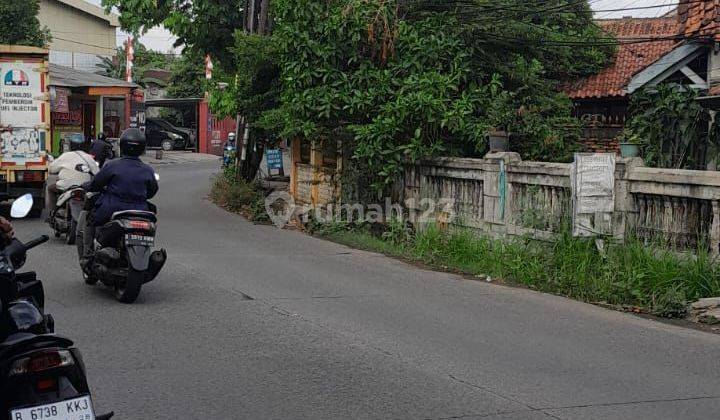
(129, 57)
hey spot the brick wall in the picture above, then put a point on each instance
(601, 138)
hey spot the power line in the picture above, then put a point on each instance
(105, 47)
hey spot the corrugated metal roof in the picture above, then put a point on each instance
(62, 76)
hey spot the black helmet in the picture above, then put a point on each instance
(76, 143)
(132, 142)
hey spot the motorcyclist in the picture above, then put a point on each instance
(65, 172)
(101, 149)
(231, 140)
(229, 152)
(124, 184)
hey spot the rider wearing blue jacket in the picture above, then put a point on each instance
(126, 183)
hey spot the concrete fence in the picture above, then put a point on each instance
(502, 195)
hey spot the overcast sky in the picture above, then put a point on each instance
(161, 40)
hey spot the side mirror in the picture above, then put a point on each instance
(21, 206)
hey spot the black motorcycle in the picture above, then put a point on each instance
(42, 375)
(122, 256)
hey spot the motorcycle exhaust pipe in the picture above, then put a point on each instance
(157, 262)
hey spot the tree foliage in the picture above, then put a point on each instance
(672, 128)
(204, 26)
(19, 24)
(144, 59)
(412, 79)
(187, 76)
(404, 79)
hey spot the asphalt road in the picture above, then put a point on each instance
(252, 322)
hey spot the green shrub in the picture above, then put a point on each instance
(236, 195)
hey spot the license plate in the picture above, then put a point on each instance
(141, 240)
(76, 409)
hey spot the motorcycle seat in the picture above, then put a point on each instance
(135, 214)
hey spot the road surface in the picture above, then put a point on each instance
(250, 322)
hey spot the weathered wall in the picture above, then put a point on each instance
(678, 208)
(304, 183)
(78, 36)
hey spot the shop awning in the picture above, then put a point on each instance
(61, 76)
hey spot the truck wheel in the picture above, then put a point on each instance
(129, 292)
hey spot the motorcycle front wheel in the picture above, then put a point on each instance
(129, 292)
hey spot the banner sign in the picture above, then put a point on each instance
(593, 192)
(59, 100)
(21, 94)
(72, 117)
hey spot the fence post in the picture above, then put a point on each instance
(496, 188)
(715, 230)
(625, 208)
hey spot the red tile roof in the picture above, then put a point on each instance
(630, 59)
(699, 18)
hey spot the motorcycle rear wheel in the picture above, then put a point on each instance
(129, 292)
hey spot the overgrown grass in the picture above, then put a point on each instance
(629, 274)
(238, 196)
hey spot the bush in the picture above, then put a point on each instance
(238, 196)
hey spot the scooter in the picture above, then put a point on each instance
(122, 256)
(42, 375)
(64, 217)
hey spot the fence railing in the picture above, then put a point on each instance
(503, 195)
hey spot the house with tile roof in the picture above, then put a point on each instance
(680, 47)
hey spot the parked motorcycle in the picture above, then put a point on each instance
(122, 256)
(229, 151)
(64, 217)
(42, 375)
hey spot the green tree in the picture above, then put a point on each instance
(403, 79)
(188, 76)
(673, 129)
(19, 24)
(204, 26)
(413, 81)
(145, 59)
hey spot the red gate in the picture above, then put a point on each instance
(213, 132)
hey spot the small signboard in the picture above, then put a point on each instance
(274, 160)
